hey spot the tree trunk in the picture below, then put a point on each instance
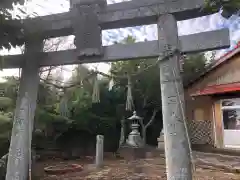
(144, 136)
(144, 127)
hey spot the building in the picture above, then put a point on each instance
(213, 103)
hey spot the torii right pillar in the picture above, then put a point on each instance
(177, 152)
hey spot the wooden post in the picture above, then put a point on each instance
(178, 161)
(219, 126)
(20, 146)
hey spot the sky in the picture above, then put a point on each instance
(202, 24)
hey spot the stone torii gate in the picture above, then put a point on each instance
(86, 19)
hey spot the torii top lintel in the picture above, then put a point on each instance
(86, 24)
(118, 15)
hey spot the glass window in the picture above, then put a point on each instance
(231, 119)
(231, 113)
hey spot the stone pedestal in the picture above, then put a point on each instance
(132, 153)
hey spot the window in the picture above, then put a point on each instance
(231, 113)
(198, 114)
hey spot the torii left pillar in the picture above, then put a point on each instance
(19, 150)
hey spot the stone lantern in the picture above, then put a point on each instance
(134, 137)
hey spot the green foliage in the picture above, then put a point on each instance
(97, 118)
(47, 118)
(7, 4)
(5, 131)
(10, 34)
(228, 7)
(9, 89)
(193, 66)
(6, 103)
(5, 121)
(145, 84)
(47, 95)
(81, 100)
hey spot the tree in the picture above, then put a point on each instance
(193, 66)
(8, 93)
(9, 33)
(228, 7)
(145, 86)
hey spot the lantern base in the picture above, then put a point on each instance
(131, 153)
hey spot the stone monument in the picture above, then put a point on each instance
(99, 150)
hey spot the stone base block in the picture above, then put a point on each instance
(131, 153)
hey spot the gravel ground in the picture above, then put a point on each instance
(208, 167)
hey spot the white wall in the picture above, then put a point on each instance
(232, 138)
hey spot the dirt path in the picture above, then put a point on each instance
(209, 167)
(224, 162)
